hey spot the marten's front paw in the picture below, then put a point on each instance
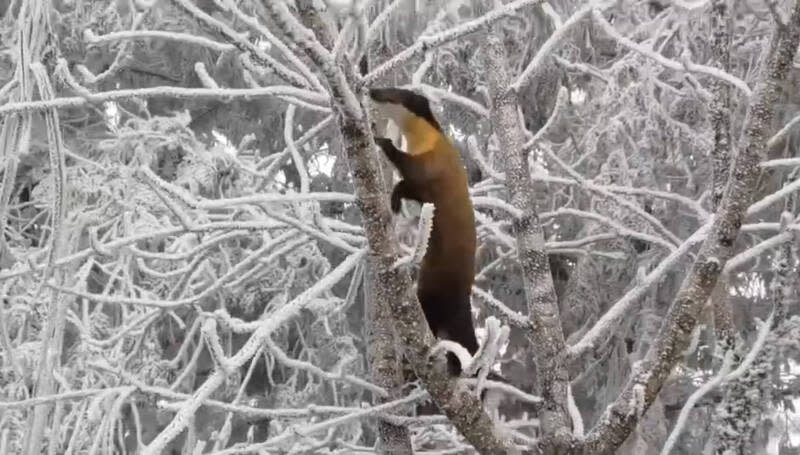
(384, 143)
(396, 199)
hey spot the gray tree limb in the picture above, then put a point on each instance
(546, 335)
(720, 114)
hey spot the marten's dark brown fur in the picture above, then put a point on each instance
(432, 171)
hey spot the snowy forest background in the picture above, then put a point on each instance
(197, 254)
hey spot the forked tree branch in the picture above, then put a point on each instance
(392, 284)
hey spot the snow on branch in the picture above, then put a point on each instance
(256, 340)
(243, 44)
(64, 396)
(283, 358)
(603, 328)
(452, 97)
(689, 203)
(306, 431)
(559, 35)
(91, 37)
(619, 419)
(286, 241)
(380, 20)
(753, 252)
(426, 43)
(723, 375)
(277, 159)
(221, 94)
(276, 43)
(305, 40)
(666, 62)
(507, 314)
(541, 300)
(632, 207)
(621, 229)
(771, 199)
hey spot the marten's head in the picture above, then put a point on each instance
(403, 106)
(411, 113)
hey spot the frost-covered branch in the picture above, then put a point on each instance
(634, 208)
(720, 116)
(685, 66)
(505, 313)
(602, 329)
(771, 199)
(426, 43)
(618, 421)
(560, 34)
(266, 327)
(750, 386)
(91, 37)
(454, 98)
(243, 44)
(313, 369)
(680, 199)
(277, 247)
(308, 430)
(221, 94)
(263, 31)
(307, 41)
(618, 227)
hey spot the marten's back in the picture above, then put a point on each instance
(452, 242)
(448, 267)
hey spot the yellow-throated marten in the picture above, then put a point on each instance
(432, 171)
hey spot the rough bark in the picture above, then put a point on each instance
(739, 415)
(644, 385)
(547, 336)
(720, 111)
(720, 114)
(384, 365)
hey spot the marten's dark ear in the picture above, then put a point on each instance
(413, 102)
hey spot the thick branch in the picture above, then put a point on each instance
(642, 388)
(721, 153)
(547, 335)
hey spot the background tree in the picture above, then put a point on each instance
(197, 252)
